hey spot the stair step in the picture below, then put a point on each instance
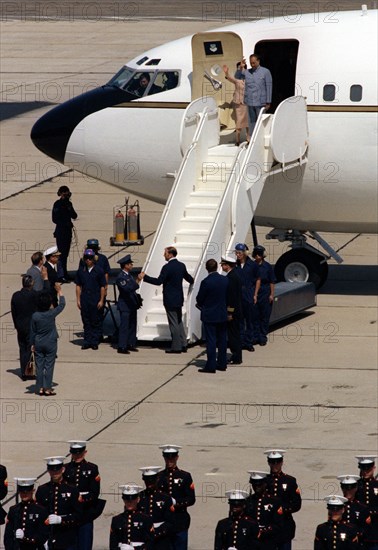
(199, 223)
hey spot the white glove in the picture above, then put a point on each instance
(126, 547)
(46, 545)
(20, 534)
(173, 501)
(54, 520)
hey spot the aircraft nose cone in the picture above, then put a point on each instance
(51, 133)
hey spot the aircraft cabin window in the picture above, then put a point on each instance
(329, 92)
(122, 77)
(142, 60)
(355, 92)
(153, 62)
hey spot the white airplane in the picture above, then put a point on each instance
(128, 135)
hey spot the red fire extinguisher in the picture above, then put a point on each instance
(119, 224)
(132, 224)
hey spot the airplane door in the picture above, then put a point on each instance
(210, 51)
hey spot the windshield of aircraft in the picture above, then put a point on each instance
(143, 83)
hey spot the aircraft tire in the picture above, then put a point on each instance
(301, 265)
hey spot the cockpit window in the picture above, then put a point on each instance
(145, 83)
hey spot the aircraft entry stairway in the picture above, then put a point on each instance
(213, 199)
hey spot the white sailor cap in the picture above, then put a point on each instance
(335, 501)
(257, 476)
(366, 461)
(25, 483)
(170, 449)
(236, 495)
(130, 491)
(54, 462)
(228, 260)
(51, 250)
(348, 479)
(77, 446)
(150, 470)
(275, 454)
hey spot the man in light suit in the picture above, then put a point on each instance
(36, 269)
(127, 306)
(212, 301)
(258, 89)
(171, 277)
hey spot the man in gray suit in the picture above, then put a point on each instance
(36, 271)
(258, 89)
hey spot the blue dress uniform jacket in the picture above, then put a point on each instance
(85, 476)
(212, 298)
(248, 274)
(131, 527)
(159, 507)
(31, 518)
(285, 487)
(336, 535)
(91, 283)
(367, 493)
(267, 511)
(241, 533)
(171, 277)
(178, 484)
(358, 514)
(127, 286)
(63, 500)
(3, 491)
(258, 87)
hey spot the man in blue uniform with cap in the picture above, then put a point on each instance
(127, 306)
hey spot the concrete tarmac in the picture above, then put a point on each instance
(312, 390)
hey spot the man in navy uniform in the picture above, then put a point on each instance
(63, 213)
(336, 534)
(3, 491)
(85, 476)
(248, 273)
(284, 487)
(234, 309)
(26, 525)
(158, 506)
(90, 297)
(171, 277)
(367, 493)
(62, 502)
(132, 528)
(179, 485)
(266, 510)
(354, 511)
(263, 297)
(212, 302)
(52, 256)
(238, 530)
(127, 306)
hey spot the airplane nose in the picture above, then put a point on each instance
(51, 133)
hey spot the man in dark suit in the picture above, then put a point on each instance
(23, 304)
(234, 309)
(171, 277)
(212, 301)
(127, 306)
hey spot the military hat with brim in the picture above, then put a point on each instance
(335, 502)
(52, 250)
(169, 449)
(348, 480)
(365, 462)
(275, 455)
(130, 491)
(256, 476)
(25, 483)
(150, 471)
(77, 446)
(236, 496)
(54, 462)
(229, 260)
(125, 260)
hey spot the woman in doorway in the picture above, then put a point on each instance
(241, 110)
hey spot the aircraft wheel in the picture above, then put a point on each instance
(301, 265)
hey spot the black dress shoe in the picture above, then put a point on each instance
(94, 347)
(184, 350)
(85, 346)
(263, 343)
(233, 362)
(23, 377)
(123, 350)
(132, 348)
(249, 348)
(222, 369)
(208, 371)
(172, 351)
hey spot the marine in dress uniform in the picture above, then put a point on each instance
(354, 511)
(248, 273)
(212, 302)
(85, 476)
(172, 275)
(284, 487)
(238, 530)
(127, 306)
(179, 485)
(367, 493)
(264, 296)
(132, 528)
(266, 510)
(90, 297)
(336, 534)
(26, 525)
(158, 506)
(62, 502)
(3, 491)
(63, 213)
(234, 309)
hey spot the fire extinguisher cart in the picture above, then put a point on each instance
(126, 225)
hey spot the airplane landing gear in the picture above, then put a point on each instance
(302, 265)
